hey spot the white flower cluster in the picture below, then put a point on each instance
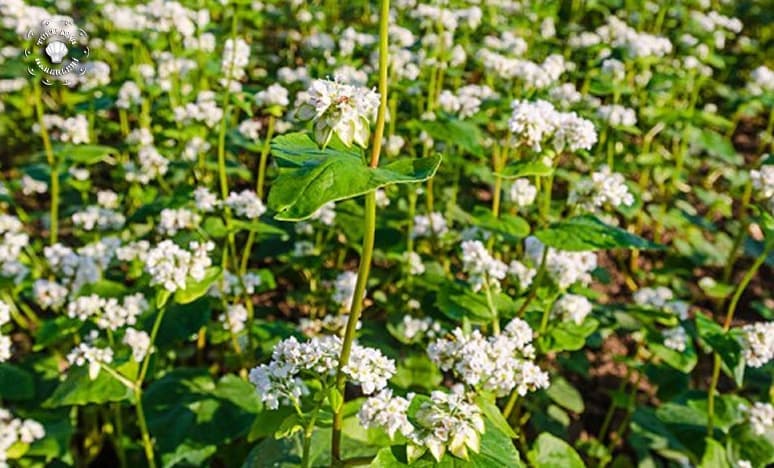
(466, 102)
(95, 357)
(13, 239)
(712, 21)
(128, 95)
(172, 220)
(235, 285)
(761, 81)
(481, 267)
(5, 341)
(236, 55)
(522, 192)
(617, 115)
(565, 268)
(80, 267)
(274, 95)
(414, 262)
(498, 364)
(444, 421)
(151, 165)
(328, 325)
(763, 182)
(170, 266)
(433, 224)
(618, 34)
(760, 415)
(573, 307)
(15, 430)
(534, 75)
(523, 273)
(70, 130)
(341, 109)
(205, 110)
(675, 338)
(32, 186)
(415, 328)
(534, 122)
(758, 343)
(49, 294)
(138, 341)
(344, 289)
(108, 313)
(235, 318)
(661, 297)
(103, 219)
(280, 381)
(246, 204)
(602, 188)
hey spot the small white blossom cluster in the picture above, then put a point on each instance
(274, 95)
(344, 289)
(138, 341)
(565, 268)
(522, 192)
(151, 165)
(661, 297)
(534, 75)
(170, 265)
(205, 110)
(32, 186)
(498, 364)
(246, 204)
(95, 357)
(522, 273)
(328, 325)
(5, 341)
(13, 239)
(280, 381)
(758, 343)
(231, 284)
(49, 294)
(172, 220)
(444, 421)
(763, 182)
(15, 430)
(573, 307)
(433, 224)
(235, 318)
(617, 115)
(236, 55)
(675, 338)
(416, 328)
(760, 415)
(77, 268)
(482, 269)
(761, 81)
(108, 313)
(602, 188)
(103, 219)
(466, 102)
(70, 130)
(414, 262)
(534, 122)
(128, 95)
(619, 34)
(339, 108)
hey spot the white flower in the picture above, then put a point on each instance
(565, 268)
(760, 415)
(49, 294)
(618, 116)
(432, 224)
(369, 368)
(758, 343)
(97, 217)
(763, 181)
(481, 267)
(85, 353)
(761, 80)
(522, 192)
(344, 289)
(128, 95)
(246, 204)
(170, 266)
(675, 338)
(32, 186)
(5, 347)
(385, 411)
(341, 109)
(572, 307)
(274, 95)
(236, 55)
(172, 220)
(604, 187)
(447, 421)
(107, 199)
(234, 319)
(574, 133)
(414, 261)
(524, 274)
(204, 199)
(533, 122)
(139, 341)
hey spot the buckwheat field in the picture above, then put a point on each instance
(386, 233)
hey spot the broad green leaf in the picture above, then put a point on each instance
(86, 154)
(533, 167)
(714, 455)
(417, 371)
(745, 444)
(723, 343)
(586, 232)
(196, 289)
(79, 389)
(452, 131)
(549, 451)
(567, 336)
(564, 394)
(493, 414)
(684, 361)
(16, 383)
(509, 226)
(320, 176)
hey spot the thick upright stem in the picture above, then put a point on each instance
(54, 181)
(264, 157)
(368, 232)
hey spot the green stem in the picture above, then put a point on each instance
(726, 326)
(369, 233)
(492, 307)
(147, 443)
(54, 188)
(264, 157)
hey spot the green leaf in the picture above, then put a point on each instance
(534, 167)
(564, 394)
(586, 232)
(86, 154)
(511, 227)
(493, 414)
(549, 451)
(336, 399)
(196, 289)
(723, 343)
(452, 131)
(567, 336)
(684, 361)
(417, 371)
(162, 296)
(16, 383)
(714, 455)
(716, 145)
(745, 444)
(79, 389)
(318, 176)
